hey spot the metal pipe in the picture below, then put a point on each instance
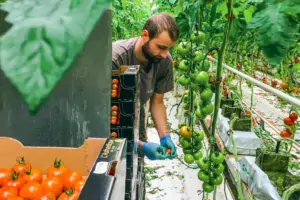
(288, 98)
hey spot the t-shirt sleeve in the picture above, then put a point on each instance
(165, 80)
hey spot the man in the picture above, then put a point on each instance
(151, 52)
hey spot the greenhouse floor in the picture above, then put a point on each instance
(172, 179)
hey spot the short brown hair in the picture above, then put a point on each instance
(160, 22)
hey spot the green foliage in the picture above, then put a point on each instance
(45, 39)
(129, 18)
(278, 27)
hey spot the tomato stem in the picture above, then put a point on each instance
(57, 163)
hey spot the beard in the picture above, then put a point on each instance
(148, 55)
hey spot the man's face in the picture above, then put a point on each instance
(157, 48)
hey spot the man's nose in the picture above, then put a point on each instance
(164, 54)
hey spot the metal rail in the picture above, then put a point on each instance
(288, 98)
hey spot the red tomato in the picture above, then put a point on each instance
(79, 185)
(47, 196)
(57, 170)
(53, 184)
(21, 166)
(31, 191)
(72, 196)
(15, 181)
(14, 198)
(288, 121)
(33, 175)
(70, 179)
(6, 192)
(4, 175)
(293, 116)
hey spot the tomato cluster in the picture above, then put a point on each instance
(25, 182)
(114, 115)
(191, 142)
(290, 125)
(114, 88)
(210, 171)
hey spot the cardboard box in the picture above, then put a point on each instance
(102, 161)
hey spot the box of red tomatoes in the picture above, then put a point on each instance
(94, 171)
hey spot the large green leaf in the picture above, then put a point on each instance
(20, 10)
(295, 68)
(36, 53)
(277, 30)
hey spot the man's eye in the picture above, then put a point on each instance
(162, 48)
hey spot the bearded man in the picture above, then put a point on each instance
(151, 52)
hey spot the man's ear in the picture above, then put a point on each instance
(145, 34)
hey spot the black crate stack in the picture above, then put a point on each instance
(125, 114)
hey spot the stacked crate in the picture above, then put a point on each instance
(125, 113)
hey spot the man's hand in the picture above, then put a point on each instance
(167, 142)
(154, 151)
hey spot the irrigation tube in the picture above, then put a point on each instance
(266, 87)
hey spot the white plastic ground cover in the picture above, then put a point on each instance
(258, 182)
(246, 141)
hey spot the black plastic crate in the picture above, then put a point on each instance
(124, 121)
(127, 82)
(125, 107)
(140, 187)
(128, 185)
(124, 132)
(127, 196)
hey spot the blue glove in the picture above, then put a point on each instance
(154, 151)
(167, 142)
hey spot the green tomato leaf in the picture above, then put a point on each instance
(31, 9)
(248, 13)
(44, 49)
(295, 68)
(172, 1)
(222, 8)
(276, 31)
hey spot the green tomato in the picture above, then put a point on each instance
(199, 114)
(188, 158)
(186, 106)
(194, 87)
(198, 56)
(184, 65)
(185, 143)
(197, 37)
(187, 151)
(217, 158)
(185, 98)
(200, 103)
(197, 146)
(198, 136)
(184, 48)
(202, 78)
(193, 76)
(206, 65)
(208, 85)
(197, 155)
(184, 80)
(203, 164)
(218, 169)
(207, 187)
(206, 94)
(203, 176)
(207, 109)
(216, 179)
(199, 67)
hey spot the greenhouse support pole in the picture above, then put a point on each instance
(288, 98)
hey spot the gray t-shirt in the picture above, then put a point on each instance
(159, 79)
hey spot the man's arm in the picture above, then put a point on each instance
(159, 114)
